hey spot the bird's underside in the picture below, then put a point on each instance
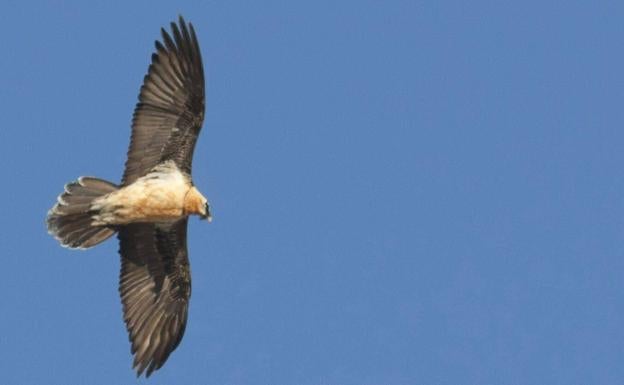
(149, 210)
(163, 195)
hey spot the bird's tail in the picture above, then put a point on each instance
(70, 220)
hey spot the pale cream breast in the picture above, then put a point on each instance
(157, 197)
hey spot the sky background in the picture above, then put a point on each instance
(417, 192)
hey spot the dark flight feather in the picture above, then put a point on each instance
(155, 287)
(170, 112)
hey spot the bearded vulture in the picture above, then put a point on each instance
(149, 210)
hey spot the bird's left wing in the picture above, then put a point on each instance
(155, 287)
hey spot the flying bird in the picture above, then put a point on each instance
(149, 209)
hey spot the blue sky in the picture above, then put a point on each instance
(407, 192)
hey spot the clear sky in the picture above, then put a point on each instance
(417, 192)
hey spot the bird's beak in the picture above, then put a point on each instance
(207, 216)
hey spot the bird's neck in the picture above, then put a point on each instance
(194, 202)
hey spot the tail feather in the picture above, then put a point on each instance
(69, 208)
(70, 220)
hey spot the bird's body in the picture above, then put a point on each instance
(165, 194)
(149, 210)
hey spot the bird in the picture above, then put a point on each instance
(149, 209)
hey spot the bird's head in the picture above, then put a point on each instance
(196, 203)
(205, 214)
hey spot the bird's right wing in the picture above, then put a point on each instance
(169, 115)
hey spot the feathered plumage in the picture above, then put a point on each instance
(150, 209)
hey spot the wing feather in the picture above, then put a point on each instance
(168, 117)
(155, 287)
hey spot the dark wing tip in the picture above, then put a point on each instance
(148, 360)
